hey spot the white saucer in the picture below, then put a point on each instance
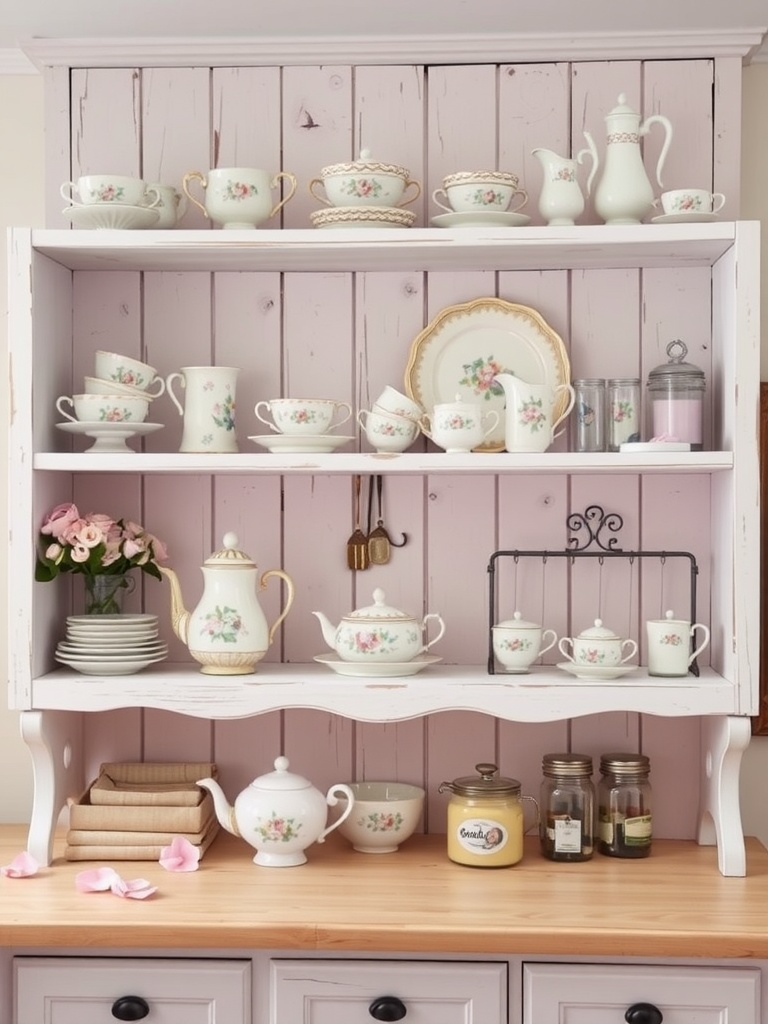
(381, 669)
(122, 619)
(595, 672)
(107, 668)
(94, 652)
(481, 219)
(111, 216)
(302, 444)
(110, 437)
(362, 217)
(685, 218)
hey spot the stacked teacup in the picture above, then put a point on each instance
(364, 193)
(392, 423)
(120, 392)
(112, 201)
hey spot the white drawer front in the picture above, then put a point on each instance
(343, 991)
(75, 990)
(602, 994)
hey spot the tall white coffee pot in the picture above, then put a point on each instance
(624, 195)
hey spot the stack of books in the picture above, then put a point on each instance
(133, 810)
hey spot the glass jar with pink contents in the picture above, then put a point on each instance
(676, 390)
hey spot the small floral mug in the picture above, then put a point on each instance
(669, 645)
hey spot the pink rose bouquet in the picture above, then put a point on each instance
(95, 545)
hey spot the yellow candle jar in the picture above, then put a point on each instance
(485, 819)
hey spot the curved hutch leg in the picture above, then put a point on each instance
(55, 742)
(724, 740)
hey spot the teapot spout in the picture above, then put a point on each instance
(224, 810)
(329, 630)
(179, 614)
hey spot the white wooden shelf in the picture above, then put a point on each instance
(545, 695)
(414, 463)
(413, 249)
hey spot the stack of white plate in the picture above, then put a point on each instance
(111, 645)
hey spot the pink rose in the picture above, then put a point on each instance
(89, 536)
(159, 549)
(60, 519)
(53, 552)
(80, 553)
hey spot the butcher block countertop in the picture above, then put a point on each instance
(674, 903)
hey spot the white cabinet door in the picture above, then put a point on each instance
(603, 993)
(366, 991)
(91, 990)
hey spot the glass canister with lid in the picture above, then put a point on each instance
(567, 803)
(485, 819)
(676, 390)
(624, 822)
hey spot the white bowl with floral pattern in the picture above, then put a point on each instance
(383, 816)
(365, 182)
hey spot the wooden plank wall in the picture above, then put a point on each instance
(345, 336)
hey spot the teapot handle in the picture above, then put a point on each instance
(331, 799)
(424, 621)
(289, 601)
(659, 119)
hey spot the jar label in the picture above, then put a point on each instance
(637, 831)
(565, 833)
(482, 835)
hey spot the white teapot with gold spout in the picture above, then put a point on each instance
(227, 632)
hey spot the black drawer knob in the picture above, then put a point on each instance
(387, 1008)
(643, 1013)
(130, 1008)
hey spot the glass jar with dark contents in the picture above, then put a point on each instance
(624, 825)
(567, 807)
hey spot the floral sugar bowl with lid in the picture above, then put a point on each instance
(597, 650)
(379, 633)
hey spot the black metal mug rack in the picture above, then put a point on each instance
(598, 530)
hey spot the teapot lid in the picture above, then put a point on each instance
(518, 621)
(598, 632)
(281, 778)
(622, 107)
(378, 610)
(229, 556)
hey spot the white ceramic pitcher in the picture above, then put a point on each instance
(531, 418)
(209, 407)
(560, 199)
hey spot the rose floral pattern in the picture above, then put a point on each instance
(591, 656)
(518, 644)
(488, 197)
(238, 190)
(364, 188)
(375, 641)
(223, 624)
(381, 821)
(108, 194)
(224, 413)
(671, 639)
(124, 375)
(479, 375)
(114, 414)
(278, 830)
(531, 414)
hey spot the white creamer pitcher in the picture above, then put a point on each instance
(560, 199)
(533, 412)
(209, 407)
(624, 194)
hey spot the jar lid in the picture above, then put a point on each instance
(624, 764)
(574, 765)
(677, 372)
(378, 610)
(281, 778)
(487, 783)
(623, 382)
(598, 632)
(518, 622)
(230, 556)
(589, 382)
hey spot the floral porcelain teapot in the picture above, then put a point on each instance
(378, 633)
(227, 633)
(280, 814)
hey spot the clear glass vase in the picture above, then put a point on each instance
(104, 592)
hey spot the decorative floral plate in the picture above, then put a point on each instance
(465, 345)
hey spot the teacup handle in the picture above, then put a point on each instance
(160, 390)
(488, 415)
(425, 425)
(62, 399)
(552, 642)
(424, 621)
(572, 399)
(345, 409)
(66, 193)
(260, 417)
(441, 192)
(331, 799)
(150, 192)
(519, 192)
(560, 646)
(195, 176)
(414, 197)
(320, 199)
(633, 650)
(169, 388)
(703, 644)
(274, 183)
(718, 202)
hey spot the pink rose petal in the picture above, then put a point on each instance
(181, 855)
(23, 865)
(138, 889)
(95, 880)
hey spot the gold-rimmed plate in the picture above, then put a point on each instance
(465, 345)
